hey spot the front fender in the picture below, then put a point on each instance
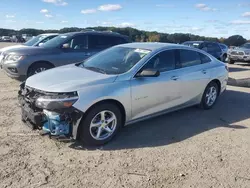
(119, 91)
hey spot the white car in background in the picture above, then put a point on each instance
(36, 41)
(6, 39)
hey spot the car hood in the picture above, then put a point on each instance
(67, 79)
(242, 49)
(32, 50)
(11, 47)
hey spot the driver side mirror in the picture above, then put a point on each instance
(40, 44)
(65, 46)
(148, 73)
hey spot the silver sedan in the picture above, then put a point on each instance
(124, 84)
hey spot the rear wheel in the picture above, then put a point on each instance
(224, 57)
(100, 124)
(210, 96)
(37, 68)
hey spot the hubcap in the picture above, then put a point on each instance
(211, 96)
(41, 69)
(103, 125)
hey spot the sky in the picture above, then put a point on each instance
(214, 18)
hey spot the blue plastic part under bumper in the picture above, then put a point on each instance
(54, 125)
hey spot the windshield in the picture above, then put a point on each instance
(34, 40)
(116, 60)
(55, 42)
(192, 44)
(247, 45)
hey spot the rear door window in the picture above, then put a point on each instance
(189, 58)
(163, 61)
(77, 43)
(213, 47)
(104, 41)
(204, 58)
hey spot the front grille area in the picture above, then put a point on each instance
(27, 97)
(31, 94)
(237, 53)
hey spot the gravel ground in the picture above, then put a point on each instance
(188, 148)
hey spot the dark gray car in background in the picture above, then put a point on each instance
(62, 50)
(212, 48)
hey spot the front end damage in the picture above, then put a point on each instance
(51, 112)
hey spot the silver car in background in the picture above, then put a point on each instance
(36, 41)
(124, 84)
(241, 54)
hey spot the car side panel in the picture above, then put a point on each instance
(193, 81)
(154, 94)
(118, 90)
(219, 72)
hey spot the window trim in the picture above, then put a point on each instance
(177, 58)
(155, 54)
(76, 50)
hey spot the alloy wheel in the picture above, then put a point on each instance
(103, 125)
(40, 69)
(211, 96)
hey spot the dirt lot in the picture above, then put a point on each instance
(188, 148)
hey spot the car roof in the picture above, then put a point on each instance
(95, 32)
(49, 34)
(194, 41)
(150, 45)
(201, 41)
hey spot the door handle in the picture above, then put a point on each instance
(174, 78)
(204, 71)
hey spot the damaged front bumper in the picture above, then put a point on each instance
(51, 112)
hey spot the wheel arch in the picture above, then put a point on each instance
(38, 62)
(103, 101)
(217, 81)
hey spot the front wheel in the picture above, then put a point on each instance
(37, 68)
(230, 61)
(100, 124)
(210, 96)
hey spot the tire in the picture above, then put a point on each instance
(89, 134)
(37, 68)
(205, 104)
(224, 57)
(230, 61)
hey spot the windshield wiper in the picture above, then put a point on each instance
(96, 69)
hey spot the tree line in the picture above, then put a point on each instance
(135, 35)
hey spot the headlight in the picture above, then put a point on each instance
(13, 58)
(56, 102)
